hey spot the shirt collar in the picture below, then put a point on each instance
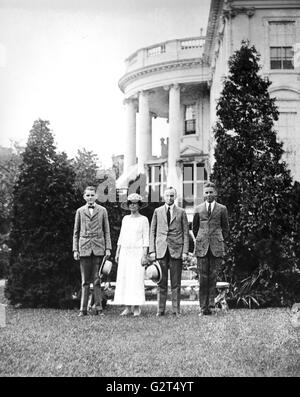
(212, 204)
(171, 206)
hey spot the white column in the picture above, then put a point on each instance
(173, 178)
(149, 137)
(145, 131)
(130, 134)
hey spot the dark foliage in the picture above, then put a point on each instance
(4, 262)
(255, 185)
(296, 217)
(42, 272)
(85, 167)
(10, 160)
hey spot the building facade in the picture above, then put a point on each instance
(181, 80)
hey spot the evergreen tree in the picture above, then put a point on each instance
(10, 159)
(253, 181)
(9, 167)
(86, 168)
(42, 272)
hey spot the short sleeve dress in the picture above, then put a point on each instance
(134, 235)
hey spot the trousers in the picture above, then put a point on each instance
(89, 269)
(175, 266)
(208, 267)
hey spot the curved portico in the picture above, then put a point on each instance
(168, 80)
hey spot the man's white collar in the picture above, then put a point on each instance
(171, 206)
(212, 204)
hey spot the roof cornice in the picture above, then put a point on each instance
(263, 4)
(161, 67)
(230, 8)
(216, 7)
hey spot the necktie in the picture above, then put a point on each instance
(91, 206)
(168, 216)
(209, 209)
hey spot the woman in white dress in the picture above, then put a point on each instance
(131, 256)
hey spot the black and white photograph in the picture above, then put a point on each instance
(149, 191)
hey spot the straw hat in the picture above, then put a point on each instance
(134, 198)
(105, 267)
(153, 272)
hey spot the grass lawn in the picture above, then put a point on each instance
(40, 342)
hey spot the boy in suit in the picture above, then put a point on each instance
(169, 243)
(210, 228)
(91, 241)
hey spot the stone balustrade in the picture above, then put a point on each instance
(172, 50)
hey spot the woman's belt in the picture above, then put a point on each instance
(90, 235)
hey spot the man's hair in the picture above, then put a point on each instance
(90, 188)
(170, 188)
(210, 184)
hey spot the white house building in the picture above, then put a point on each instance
(180, 80)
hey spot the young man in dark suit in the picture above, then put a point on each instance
(210, 229)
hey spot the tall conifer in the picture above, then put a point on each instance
(253, 181)
(42, 272)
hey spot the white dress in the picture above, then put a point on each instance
(134, 235)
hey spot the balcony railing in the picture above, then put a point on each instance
(173, 50)
(153, 51)
(193, 43)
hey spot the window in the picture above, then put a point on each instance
(194, 176)
(281, 57)
(157, 182)
(286, 126)
(190, 120)
(282, 39)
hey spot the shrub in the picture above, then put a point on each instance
(254, 183)
(42, 272)
(4, 261)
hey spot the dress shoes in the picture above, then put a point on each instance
(160, 314)
(205, 313)
(125, 312)
(177, 314)
(82, 313)
(96, 312)
(137, 312)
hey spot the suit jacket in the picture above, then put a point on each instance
(91, 233)
(210, 231)
(175, 236)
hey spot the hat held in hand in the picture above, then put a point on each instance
(105, 267)
(153, 272)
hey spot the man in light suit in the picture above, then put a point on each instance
(169, 243)
(210, 228)
(91, 241)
